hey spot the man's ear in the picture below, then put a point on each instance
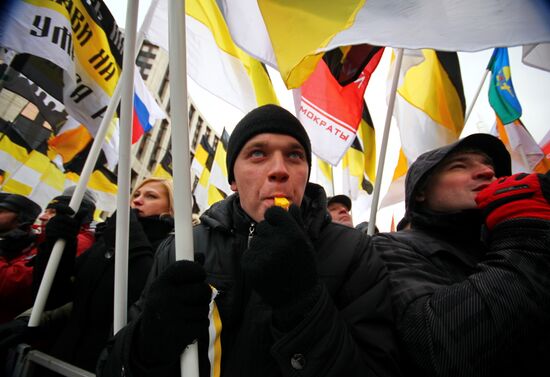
(234, 186)
(420, 197)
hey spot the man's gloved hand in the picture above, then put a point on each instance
(108, 230)
(63, 225)
(175, 313)
(518, 196)
(17, 331)
(280, 262)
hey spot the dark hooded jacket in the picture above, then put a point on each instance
(348, 332)
(464, 307)
(81, 337)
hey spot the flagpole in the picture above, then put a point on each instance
(384, 145)
(76, 199)
(124, 169)
(476, 96)
(181, 164)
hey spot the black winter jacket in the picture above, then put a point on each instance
(81, 338)
(465, 307)
(347, 333)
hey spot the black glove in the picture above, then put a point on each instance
(63, 225)
(138, 237)
(17, 331)
(60, 226)
(280, 262)
(175, 313)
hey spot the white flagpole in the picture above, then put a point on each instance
(384, 146)
(123, 172)
(180, 153)
(76, 200)
(476, 96)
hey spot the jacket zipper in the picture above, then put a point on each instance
(251, 232)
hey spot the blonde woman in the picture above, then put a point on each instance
(86, 331)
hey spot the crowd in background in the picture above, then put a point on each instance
(461, 289)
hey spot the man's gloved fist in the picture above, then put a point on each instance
(17, 331)
(63, 224)
(518, 196)
(280, 262)
(175, 313)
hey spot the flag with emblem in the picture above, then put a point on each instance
(526, 154)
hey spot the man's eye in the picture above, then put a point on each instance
(457, 166)
(257, 153)
(296, 154)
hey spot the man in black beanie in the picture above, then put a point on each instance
(297, 294)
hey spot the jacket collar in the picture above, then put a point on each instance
(227, 215)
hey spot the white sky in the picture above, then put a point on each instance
(532, 88)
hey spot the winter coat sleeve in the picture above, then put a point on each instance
(349, 331)
(116, 358)
(448, 325)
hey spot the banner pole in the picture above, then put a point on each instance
(384, 146)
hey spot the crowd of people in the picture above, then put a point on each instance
(461, 289)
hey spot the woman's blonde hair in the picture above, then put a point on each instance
(168, 185)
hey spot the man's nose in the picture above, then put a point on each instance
(278, 170)
(485, 172)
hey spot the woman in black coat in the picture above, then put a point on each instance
(89, 326)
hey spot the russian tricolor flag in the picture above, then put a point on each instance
(146, 109)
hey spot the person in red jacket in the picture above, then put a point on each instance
(17, 214)
(21, 245)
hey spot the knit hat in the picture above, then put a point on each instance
(87, 205)
(26, 209)
(265, 119)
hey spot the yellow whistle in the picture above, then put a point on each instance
(282, 202)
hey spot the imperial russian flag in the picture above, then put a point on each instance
(146, 109)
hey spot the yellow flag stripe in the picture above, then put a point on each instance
(428, 87)
(208, 13)
(365, 133)
(86, 52)
(286, 21)
(217, 342)
(402, 166)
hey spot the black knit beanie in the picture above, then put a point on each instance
(265, 119)
(87, 206)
